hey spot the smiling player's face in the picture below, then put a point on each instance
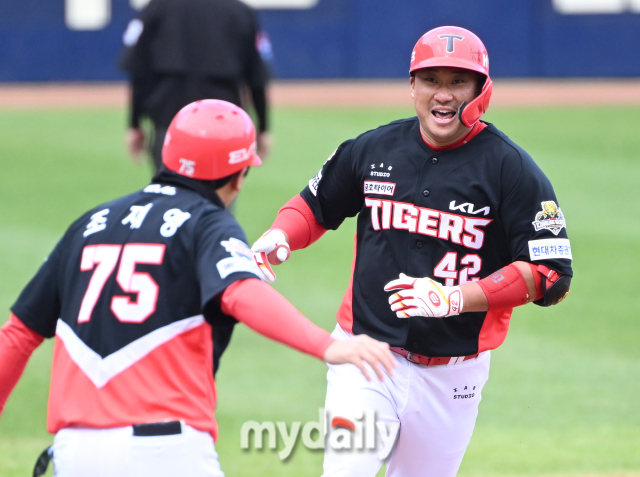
(437, 94)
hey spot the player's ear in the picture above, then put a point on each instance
(237, 180)
(413, 82)
(480, 81)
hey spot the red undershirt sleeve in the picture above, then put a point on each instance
(265, 311)
(17, 342)
(537, 277)
(299, 223)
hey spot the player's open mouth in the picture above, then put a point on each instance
(443, 114)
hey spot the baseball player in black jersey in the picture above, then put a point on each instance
(456, 225)
(134, 294)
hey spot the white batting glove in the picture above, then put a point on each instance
(271, 248)
(423, 297)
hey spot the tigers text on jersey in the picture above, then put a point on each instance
(455, 215)
(128, 293)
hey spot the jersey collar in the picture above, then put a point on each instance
(479, 126)
(203, 188)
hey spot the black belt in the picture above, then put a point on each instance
(157, 429)
(142, 430)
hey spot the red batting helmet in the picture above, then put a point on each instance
(457, 48)
(210, 139)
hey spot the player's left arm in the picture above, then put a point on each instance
(514, 285)
(264, 310)
(535, 229)
(17, 343)
(541, 268)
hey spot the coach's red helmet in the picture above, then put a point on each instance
(210, 139)
(457, 48)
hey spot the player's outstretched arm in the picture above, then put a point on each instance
(295, 228)
(516, 284)
(17, 342)
(267, 312)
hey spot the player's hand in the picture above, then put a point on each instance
(270, 249)
(359, 350)
(135, 144)
(423, 297)
(265, 143)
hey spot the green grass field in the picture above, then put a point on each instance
(563, 398)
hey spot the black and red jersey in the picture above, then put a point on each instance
(129, 294)
(455, 215)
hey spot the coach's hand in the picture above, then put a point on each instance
(423, 297)
(359, 350)
(270, 249)
(265, 143)
(135, 144)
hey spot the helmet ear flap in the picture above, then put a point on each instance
(470, 113)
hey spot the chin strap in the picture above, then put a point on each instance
(470, 113)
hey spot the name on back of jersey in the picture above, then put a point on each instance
(159, 189)
(97, 223)
(173, 218)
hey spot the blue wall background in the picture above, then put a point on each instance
(344, 39)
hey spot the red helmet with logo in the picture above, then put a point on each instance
(456, 47)
(210, 139)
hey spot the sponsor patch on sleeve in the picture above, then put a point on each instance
(241, 259)
(383, 188)
(549, 248)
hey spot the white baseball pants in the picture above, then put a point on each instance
(435, 406)
(82, 452)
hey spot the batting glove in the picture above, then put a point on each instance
(423, 297)
(271, 248)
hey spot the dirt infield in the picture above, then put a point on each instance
(333, 93)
